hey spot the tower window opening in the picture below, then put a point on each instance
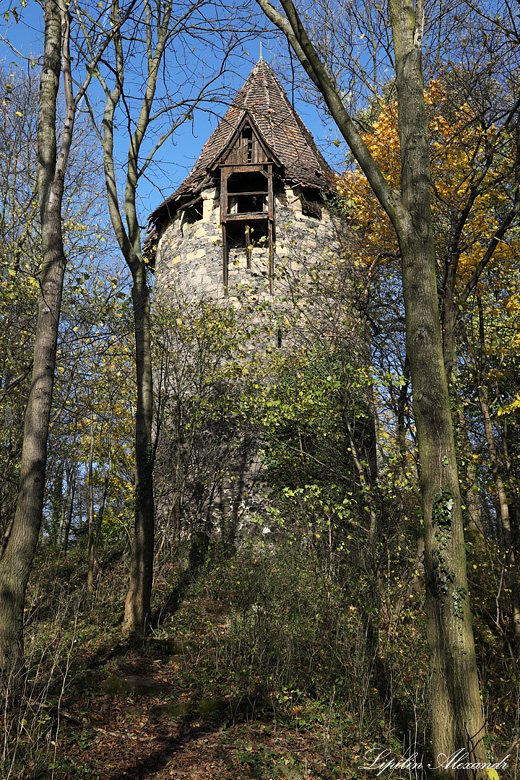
(247, 203)
(192, 213)
(246, 209)
(247, 141)
(247, 193)
(311, 205)
(247, 182)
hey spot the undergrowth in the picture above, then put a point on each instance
(337, 665)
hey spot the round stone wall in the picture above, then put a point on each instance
(189, 267)
(189, 254)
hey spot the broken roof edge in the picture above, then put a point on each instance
(178, 199)
(184, 194)
(294, 159)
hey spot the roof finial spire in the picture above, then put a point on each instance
(261, 58)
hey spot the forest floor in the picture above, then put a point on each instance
(165, 708)
(194, 725)
(223, 688)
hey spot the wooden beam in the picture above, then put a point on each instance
(248, 247)
(271, 255)
(224, 258)
(246, 216)
(223, 196)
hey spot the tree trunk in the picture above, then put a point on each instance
(16, 562)
(456, 709)
(510, 562)
(91, 555)
(450, 316)
(69, 509)
(471, 493)
(97, 522)
(57, 506)
(402, 401)
(457, 722)
(137, 604)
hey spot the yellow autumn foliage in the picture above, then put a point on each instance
(460, 161)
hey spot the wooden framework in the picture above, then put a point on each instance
(243, 201)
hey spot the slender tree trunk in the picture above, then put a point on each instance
(511, 567)
(401, 418)
(512, 481)
(510, 562)
(450, 316)
(93, 563)
(137, 604)
(57, 506)
(69, 510)
(91, 555)
(95, 520)
(472, 496)
(367, 486)
(16, 562)
(5, 537)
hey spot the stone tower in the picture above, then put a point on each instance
(257, 191)
(254, 203)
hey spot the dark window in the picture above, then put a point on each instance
(247, 136)
(247, 204)
(247, 182)
(193, 212)
(311, 205)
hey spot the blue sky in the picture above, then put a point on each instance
(178, 154)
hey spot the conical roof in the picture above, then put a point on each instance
(263, 99)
